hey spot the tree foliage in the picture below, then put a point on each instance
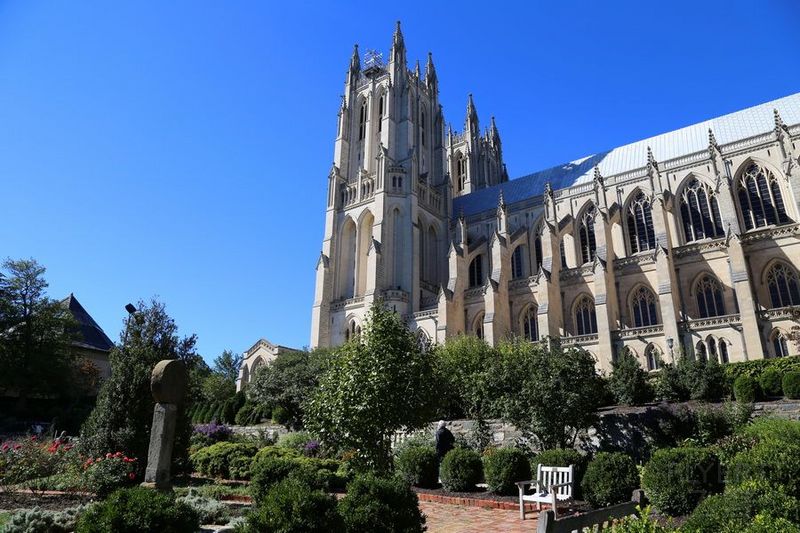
(628, 381)
(376, 384)
(287, 382)
(556, 391)
(122, 418)
(36, 335)
(466, 364)
(227, 365)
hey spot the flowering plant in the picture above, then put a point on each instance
(213, 432)
(311, 449)
(102, 475)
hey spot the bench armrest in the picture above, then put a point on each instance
(523, 484)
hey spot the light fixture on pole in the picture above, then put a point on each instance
(131, 311)
(670, 344)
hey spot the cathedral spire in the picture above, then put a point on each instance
(471, 124)
(398, 45)
(417, 72)
(494, 134)
(430, 73)
(355, 66)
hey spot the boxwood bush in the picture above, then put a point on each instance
(676, 479)
(138, 509)
(736, 508)
(770, 382)
(779, 429)
(745, 389)
(293, 505)
(503, 468)
(418, 465)
(610, 478)
(562, 457)
(461, 470)
(270, 468)
(791, 385)
(756, 367)
(771, 461)
(379, 504)
(228, 460)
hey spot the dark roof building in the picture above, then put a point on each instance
(94, 344)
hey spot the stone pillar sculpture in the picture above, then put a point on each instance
(168, 385)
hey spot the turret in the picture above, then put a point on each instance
(430, 75)
(471, 122)
(355, 67)
(398, 54)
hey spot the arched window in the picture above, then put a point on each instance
(709, 297)
(362, 122)
(422, 128)
(585, 317)
(641, 235)
(723, 351)
(537, 246)
(700, 351)
(476, 271)
(588, 244)
(712, 347)
(563, 252)
(530, 326)
(431, 266)
(381, 108)
(643, 308)
(784, 288)
(478, 326)
(760, 198)
(779, 345)
(518, 262)
(700, 212)
(423, 340)
(461, 172)
(353, 330)
(653, 356)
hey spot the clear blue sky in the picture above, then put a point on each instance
(181, 149)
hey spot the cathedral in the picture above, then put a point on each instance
(686, 242)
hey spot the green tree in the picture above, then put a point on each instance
(551, 393)
(37, 356)
(123, 415)
(628, 381)
(466, 364)
(375, 385)
(288, 381)
(217, 388)
(227, 365)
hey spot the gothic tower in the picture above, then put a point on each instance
(386, 225)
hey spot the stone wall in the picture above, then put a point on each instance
(272, 431)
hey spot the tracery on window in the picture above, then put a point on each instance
(700, 212)
(530, 326)
(585, 317)
(784, 287)
(588, 243)
(641, 235)
(760, 198)
(709, 297)
(644, 308)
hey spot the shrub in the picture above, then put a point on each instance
(628, 380)
(642, 523)
(38, 520)
(791, 385)
(296, 440)
(107, 474)
(744, 389)
(704, 380)
(418, 465)
(268, 470)
(293, 506)
(676, 479)
(213, 432)
(209, 510)
(280, 415)
(764, 523)
(734, 509)
(669, 385)
(562, 457)
(244, 414)
(224, 459)
(780, 429)
(712, 423)
(138, 509)
(503, 468)
(377, 504)
(729, 447)
(770, 382)
(771, 461)
(461, 469)
(610, 478)
(756, 367)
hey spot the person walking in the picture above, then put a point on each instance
(444, 440)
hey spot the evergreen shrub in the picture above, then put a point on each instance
(218, 459)
(791, 385)
(461, 470)
(381, 504)
(610, 478)
(418, 465)
(503, 468)
(771, 461)
(293, 506)
(770, 382)
(138, 509)
(676, 479)
(745, 389)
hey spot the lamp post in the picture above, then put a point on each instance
(131, 310)
(670, 344)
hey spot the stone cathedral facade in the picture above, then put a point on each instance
(684, 242)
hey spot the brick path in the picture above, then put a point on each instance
(447, 518)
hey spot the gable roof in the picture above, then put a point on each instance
(93, 336)
(728, 128)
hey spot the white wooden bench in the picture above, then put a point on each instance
(553, 485)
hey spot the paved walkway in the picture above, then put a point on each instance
(447, 518)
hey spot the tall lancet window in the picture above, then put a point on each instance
(585, 317)
(381, 107)
(518, 262)
(588, 244)
(422, 127)
(461, 172)
(709, 297)
(362, 121)
(476, 272)
(700, 212)
(537, 246)
(643, 308)
(760, 198)
(641, 235)
(530, 327)
(784, 288)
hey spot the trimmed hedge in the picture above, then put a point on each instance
(227, 460)
(676, 479)
(503, 468)
(138, 509)
(766, 428)
(737, 507)
(378, 504)
(293, 505)
(791, 385)
(770, 382)
(745, 389)
(610, 479)
(268, 469)
(418, 465)
(772, 461)
(757, 367)
(461, 470)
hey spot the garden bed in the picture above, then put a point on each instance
(50, 500)
(483, 498)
